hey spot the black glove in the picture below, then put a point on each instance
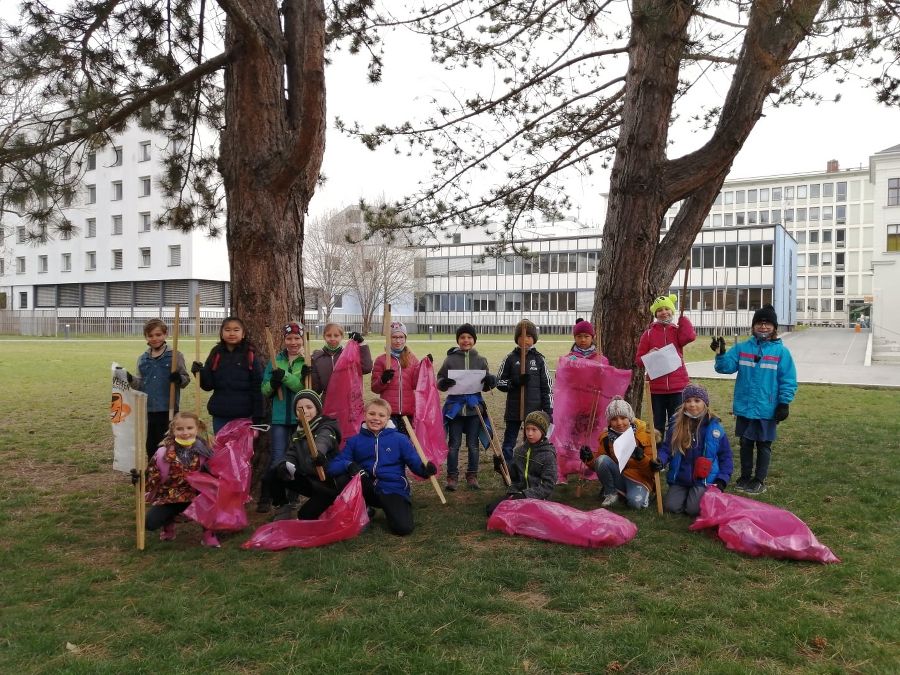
(319, 460)
(304, 371)
(277, 377)
(498, 464)
(196, 367)
(719, 483)
(656, 465)
(429, 357)
(129, 377)
(353, 468)
(387, 376)
(717, 345)
(445, 383)
(586, 455)
(782, 410)
(488, 382)
(430, 468)
(175, 377)
(135, 476)
(356, 337)
(638, 453)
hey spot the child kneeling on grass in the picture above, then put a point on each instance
(168, 491)
(533, 468)
(381, 455)
(697, 451)
(635, 483)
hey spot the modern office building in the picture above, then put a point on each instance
(884, 176)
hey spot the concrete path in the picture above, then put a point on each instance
(824, 356)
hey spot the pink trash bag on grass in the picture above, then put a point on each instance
(344, 519)
(429, 420)
(344, 399)
(759, 529)
(226, 488)
(561, 524)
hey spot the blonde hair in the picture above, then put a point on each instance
(170, 433)
(379, 403)
(682, 431)
(332, 324)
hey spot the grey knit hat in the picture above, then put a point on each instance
(619, 407)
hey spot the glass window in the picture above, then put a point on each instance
(813, 259)
(751, 217)
(175, 257)
(801, 283)
(840, 237)
(66, 262)
(767, 255)
(812, 283)
(729, 198)
(814, 191)
(20, 265)
(789, 215)
(117, 225)
(826, 304)
(789, 192)
(720, 256)
(801, 237)
(91, 161)
(708, 258)
(91, 194)
(718, 200)
(827, 213)
(801, 260)
(893, 194)
(116, 190)
(814, 213)
(743, 255)
(729, 220)
(755, 255)
(751, 196)
(739, 197)
(826, 236)
(90, 260)
(839, 284)
(826, 259)
(814, 237)
(696, 257)
(717, 220)
(841, 191)
(117, 156)
(893, 237)
(42, 264)
(801, 215)
(144, 186)
(838, 305)
(764, 194)
(801, 192)
(91, 228)
(740, 218)
(144, 151)
(812, 304)
(828, 189)
(731, 256)
(117, 259)
(763, 217)
(144, 219)
(776, 216)
(776, 194)
(21, 234)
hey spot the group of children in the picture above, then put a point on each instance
(695, 451)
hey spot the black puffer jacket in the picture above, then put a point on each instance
(538, 394)
(235, 378)
(539, 460)
(327, 436)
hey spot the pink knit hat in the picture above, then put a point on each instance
(582, 326)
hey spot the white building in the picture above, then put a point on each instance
(118, 264)
(884, 176)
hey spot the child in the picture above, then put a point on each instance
(664, 330)
(287, 377)
(154, 377)
(535, 380)
(635, 483)
(533, 469)
(584, 347)
(234, 375)
(395, 382)
(381, 455)
(169, 493)
(765, 386)
(323, 360)
(697, 452)
(296, 472)
(461, 416)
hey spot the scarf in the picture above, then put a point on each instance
(186, 454)
(331, 350)
(586, 353)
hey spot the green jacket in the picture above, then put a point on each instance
(290, 385)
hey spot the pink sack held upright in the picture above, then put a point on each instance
(344, 398)
(429, 421)
(344, 519)
(759, 529)
(550, 521)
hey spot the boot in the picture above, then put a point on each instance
(168, 532)
(210, 539)
(472, 480)
(263, 505)
(452, 482)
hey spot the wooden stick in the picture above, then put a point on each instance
(307, 381)
(140, 464)
(386, 329)
(311, 443)
(656, 482)
(590, 430)
(174, 360)
(197, 352)
(687, 273)
(415, 442)
(523, 353)
(271, 347)
(495, 447)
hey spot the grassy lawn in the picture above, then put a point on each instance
(78, 598)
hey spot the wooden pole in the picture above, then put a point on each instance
(175, 331)
(270, 345)
(311, 443)
(687, 274)
(495, 447)
(656, 482)
(386, 329)
(197, 352)
(523, 354)
(307, 381)
(415, 442)
(140, 464)
(590, 430)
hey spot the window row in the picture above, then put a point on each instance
(732, 255)
(823, 259)
(543, 263)
(730, 299)
(90, 260)
(115, 155)
(893, 237)
(538, 301)
(813, 191)
(820, 304)
(814, 214)
(116, 190)
(825, 282)
(130, 294)
(839, 238)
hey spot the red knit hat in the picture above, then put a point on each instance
(582, 326)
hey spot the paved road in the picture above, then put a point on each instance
(825, 355)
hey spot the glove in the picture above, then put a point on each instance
(445, 383)
(656, 465)
(719, 483)
(319, 460)
(277, 377)
(135, 476)
(430, 358)
(488, 382)
(175, 377)
(585, 454)
(196, 367)
(353, 468)
(305, 371)
(430, 468)
(782, 410)
(498, 464)
(387, 376)
(638, 453)
(129, 377)
(356, 337)
(516, 495)
(718, 345)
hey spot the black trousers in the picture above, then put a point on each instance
(664, 406)
(163, 514)
(157, 428)
(397, 509)
(321, 494)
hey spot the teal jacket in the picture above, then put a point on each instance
(282, 412)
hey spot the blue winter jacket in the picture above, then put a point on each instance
(712, 442)
(152, 378)
(384, 456)
(766, 376)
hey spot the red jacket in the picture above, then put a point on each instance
(659, 335)
(400, 392)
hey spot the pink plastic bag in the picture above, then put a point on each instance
(429, 420)
(344, 398)
(220, 503)
(344, 519)
(759, 529)
(561, 524)
(580, 386)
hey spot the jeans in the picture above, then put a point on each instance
(279, 437)
(459, 425)
(763, 457)
(636, 495)
(219, 422)
(680, 499)
(664, 406)
(510, 436)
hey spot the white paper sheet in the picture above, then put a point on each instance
(467, 381)
(624, 446)
(661, 362)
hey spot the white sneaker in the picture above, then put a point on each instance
(609, 500)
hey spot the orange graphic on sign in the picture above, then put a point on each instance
(118, 409)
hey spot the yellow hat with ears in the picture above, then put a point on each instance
(663, 301)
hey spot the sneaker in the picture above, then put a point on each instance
(452, 482)
(370, 511)
(610, 500)
(742, 484)
(167, 533)
(210, 539)
(285, 512)
(263, 506)
(472, 481)
(756, 487)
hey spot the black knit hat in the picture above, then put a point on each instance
(539, 419)
(312, 396)
(765, 313)
(468, 329)
(529, 328)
